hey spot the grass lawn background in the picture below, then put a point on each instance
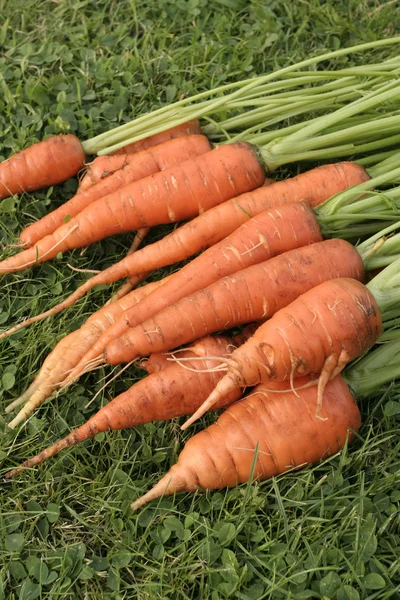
(66, 530)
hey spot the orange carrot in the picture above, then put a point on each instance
(160, 360)
(257, 292)
(131, 281)
(215, 224)
(103, 166)
(163, 395)
(319, 332)
(188, 128)
(270, 430)
(137, 166)
(68, 352)
(172, 195)
(41, 165)
(259, 239)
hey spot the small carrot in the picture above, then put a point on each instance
(103, 166)
(68, 352)
(169, 196)
(137, 166)
(165, 394)
(319, 332)
(41, 165)
(271, 431)
(157, 361)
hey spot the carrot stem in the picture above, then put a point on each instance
(386, 289)
(120, 134)
(377, 368)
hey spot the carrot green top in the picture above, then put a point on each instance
(267, 90)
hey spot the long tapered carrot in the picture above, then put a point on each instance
(271, 431)
(319, 332)
(102, 166)
(165, 394)
(216, 224)
(176, 194)
(252, 294)
(267, 235)
(68, 352)
(41, 165)
(137, 166)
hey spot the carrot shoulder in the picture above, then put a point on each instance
(175, 194)
(275, 431)
(41, 165)
(320, 332)
(136, 166)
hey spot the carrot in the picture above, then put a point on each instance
(189, 128)
(157, 361)
(172, 195)
(265, 434)
(165, 394)
(137, 166)
(132, 281)
(68, 352)
(103, 166)
(41, 165)
(319, 332)
(255, 293)
(216, 224)
(259, 239)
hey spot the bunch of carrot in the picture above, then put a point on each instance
(308, 261)
(263, 260)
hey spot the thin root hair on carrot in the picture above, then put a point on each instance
(97, 394)
(60, 241)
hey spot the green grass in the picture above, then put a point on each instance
(66, 530)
